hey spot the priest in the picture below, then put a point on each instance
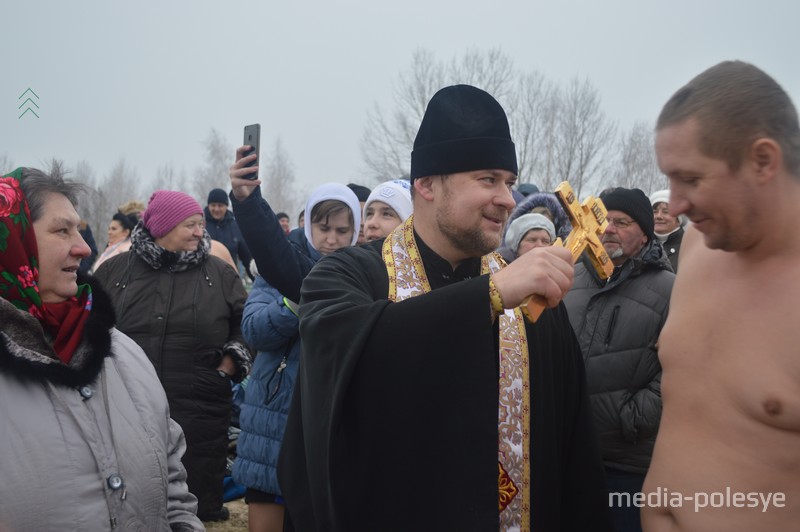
(424, 400)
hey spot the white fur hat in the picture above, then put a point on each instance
(662, 196)
(659, 196)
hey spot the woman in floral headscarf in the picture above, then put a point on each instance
(87, 440)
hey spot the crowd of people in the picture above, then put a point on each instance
(385, 375)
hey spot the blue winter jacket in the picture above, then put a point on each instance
(271, 327)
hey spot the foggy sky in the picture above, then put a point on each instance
(148, 80)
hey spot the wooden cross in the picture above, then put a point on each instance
(588, 225)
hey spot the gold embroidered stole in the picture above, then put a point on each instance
(407, 278)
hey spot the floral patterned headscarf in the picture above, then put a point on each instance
(19, 274)
(18, 252)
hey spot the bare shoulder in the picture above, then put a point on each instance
(698, 263)
(219, 250)
(693, 246)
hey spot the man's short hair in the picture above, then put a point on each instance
(37, 185)
(282, 215)
(736, 103)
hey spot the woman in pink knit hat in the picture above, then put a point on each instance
(184, 308)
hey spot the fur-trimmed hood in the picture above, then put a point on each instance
(26, 353)
(540, 199)
(544, 199)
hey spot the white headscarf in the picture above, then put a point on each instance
(333, 191)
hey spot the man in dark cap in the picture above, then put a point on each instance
(222, 226)
(425, 401)
(362, 193)
(283, 219)
(617, 323)
(526, 189)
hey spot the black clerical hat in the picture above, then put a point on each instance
(464, 129)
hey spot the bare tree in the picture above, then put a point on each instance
(92, 204)
(278, 180)
(121, 184)
(6, 164)
(531, 114)
(492, 71)
(583, 135)
(168, 179)
(105, 196)
(84, 173)
(636, 165)
(389, 138)
(560, 132)
(218, 159)
(387, 141)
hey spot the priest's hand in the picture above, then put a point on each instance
(243, 180)
(546, 271)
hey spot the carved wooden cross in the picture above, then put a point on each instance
(588, 225)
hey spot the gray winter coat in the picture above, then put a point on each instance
(617, 325)
(68, 429)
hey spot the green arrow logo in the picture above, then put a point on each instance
(28, 103)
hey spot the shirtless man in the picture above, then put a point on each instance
(727, 455)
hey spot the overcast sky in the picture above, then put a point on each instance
(148, 80)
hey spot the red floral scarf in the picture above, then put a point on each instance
(19, 273)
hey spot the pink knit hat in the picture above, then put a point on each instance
(166, 209)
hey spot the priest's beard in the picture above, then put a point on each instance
(472, 240)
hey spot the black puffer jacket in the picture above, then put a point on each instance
(617, 325)
(672, 245)
(185, 312)
(227, 231)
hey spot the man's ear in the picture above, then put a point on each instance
(423, 187)
(765, 158)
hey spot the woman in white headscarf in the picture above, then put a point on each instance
(388, 206)
(270, 324)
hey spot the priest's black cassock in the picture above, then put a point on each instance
(394, 418)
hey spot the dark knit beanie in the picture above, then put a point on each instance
(217, 196)
(634, 203)
(361, 192)
(464, 129)
(526, 189)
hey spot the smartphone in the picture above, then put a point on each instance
(252, 137)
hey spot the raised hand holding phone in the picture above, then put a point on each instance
(252, 138)
(244, 172)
